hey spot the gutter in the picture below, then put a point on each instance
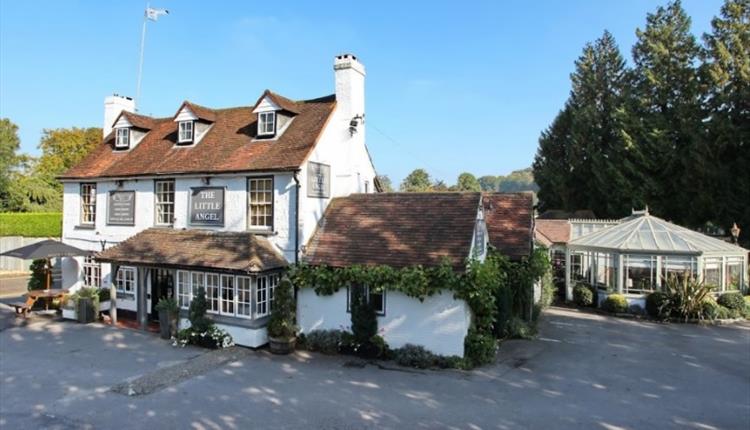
(296, 215)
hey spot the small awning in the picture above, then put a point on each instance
(228, 251)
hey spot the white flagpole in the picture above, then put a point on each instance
(140, 62)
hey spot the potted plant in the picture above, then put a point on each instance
(282, 330)
(87, 304)
(168, 312)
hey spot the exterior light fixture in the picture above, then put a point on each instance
(206, 180)
(359, 119)
(735, 233)
(120, 183)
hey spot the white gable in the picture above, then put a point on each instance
(266, 105)
(122, 122)
(185, 115)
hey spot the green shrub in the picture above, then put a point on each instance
(479, 348)
(325, 341)
(414, 356)
(733, 301)
(583, 296)
(281, 323)
(31, 224)
(104, 295)
(615, 303)
(197, 312)
(213, 338)
(38, 279)
(656, 304)
(520, 329)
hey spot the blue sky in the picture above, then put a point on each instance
(451, 86)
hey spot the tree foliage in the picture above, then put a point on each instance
(9, 144)
(467, 182)
(418, 181)
(672, 132)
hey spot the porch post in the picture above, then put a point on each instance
(142, 312)
(568, 287)
(622, 273)
(113, 292)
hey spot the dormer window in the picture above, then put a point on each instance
(185, 132)
(122, 138)
(266, 123)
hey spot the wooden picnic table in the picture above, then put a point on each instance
(33, 295)
(47, 295)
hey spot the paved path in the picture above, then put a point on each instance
(585, 371)
(13, 286)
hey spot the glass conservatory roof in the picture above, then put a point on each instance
(642, 232)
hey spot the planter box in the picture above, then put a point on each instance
(105, 306)
(69, 314)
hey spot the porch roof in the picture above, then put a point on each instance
(234, 251)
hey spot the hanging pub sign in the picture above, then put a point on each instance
(318, 180)
(121, 208)
(207, 206)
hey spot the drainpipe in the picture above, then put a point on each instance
(296, 215)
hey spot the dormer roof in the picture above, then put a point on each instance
(230, 145)
(135, 120)
(200, 112)
(277, 102)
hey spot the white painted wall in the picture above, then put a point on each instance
(439, 323)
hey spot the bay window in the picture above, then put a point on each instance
(229, 295)
(640, 273)
(125, 282)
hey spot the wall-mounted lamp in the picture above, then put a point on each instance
(359, 119)
(119, 183)
(206, 180)
(735, 233)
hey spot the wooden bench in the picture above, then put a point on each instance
(23, 308)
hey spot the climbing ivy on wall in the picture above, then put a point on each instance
(479, 286)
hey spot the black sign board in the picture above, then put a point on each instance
(207, 206)
(318, 180)
(121, 208)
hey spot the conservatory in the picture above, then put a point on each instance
(637, 255)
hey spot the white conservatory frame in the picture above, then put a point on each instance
(635, 256)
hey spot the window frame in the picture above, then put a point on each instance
(88, 200)
(249, 292)
(183, 289)
(121, 277)
(160, 204)
(92, 272)
(122, 134)
(183, 124)
(211, 288)
(250, 225)
(380, 313)
(263, 122)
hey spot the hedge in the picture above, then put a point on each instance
(31, 224)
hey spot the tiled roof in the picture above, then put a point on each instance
(228, 146)
(139, 121)
(509, 218)
(550, 231)
(238, 251)
(204, 113)
(395, 229)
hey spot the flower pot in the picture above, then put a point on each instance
(86, 310)
(165, 324)
(282, 345)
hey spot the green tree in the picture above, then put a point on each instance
(63, 148)
(517, 180)
(488, 183)
(552, 163)
(440, 186)
(9, 144)
(417, 181)
(467, 182)
(668, 99)
(727, 73)
(385, 183)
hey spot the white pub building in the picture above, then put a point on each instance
(217, 198)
